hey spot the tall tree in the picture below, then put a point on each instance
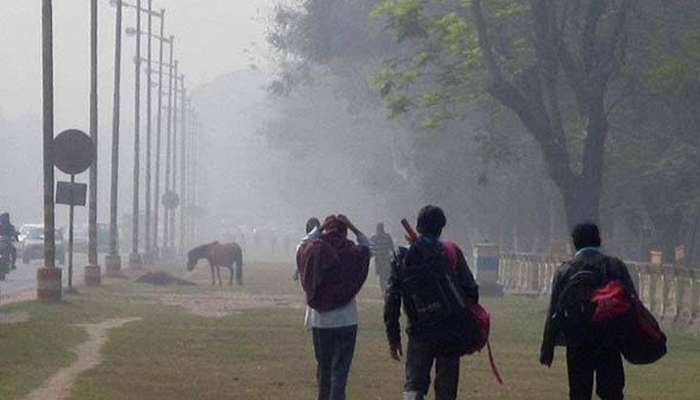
(549, 62)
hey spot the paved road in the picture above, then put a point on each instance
(20, 284)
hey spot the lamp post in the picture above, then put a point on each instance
(159, 124)
(168, 143)
(163, 41)
(113, 260)
(92, 204)
(183, 166)
(49, 275)
(173, 149)
(135, 260)
(147, 217)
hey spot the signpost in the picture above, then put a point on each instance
(74, 154)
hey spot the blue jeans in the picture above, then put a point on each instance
(334, 349)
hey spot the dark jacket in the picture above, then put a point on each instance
(611, 268)
(395, 293)
(7, 230)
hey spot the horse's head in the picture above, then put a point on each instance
(194, 255)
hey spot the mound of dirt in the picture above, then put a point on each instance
(162, 278)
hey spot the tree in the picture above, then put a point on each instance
(550, 62)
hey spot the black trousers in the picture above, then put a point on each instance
(420, 358)
(334, 348)
(585, 361)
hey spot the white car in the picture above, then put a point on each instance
(31, 244)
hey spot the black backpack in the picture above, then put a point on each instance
(440, 315)
(574, 309)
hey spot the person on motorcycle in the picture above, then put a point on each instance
(9, 233)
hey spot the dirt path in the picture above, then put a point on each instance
(59, 386)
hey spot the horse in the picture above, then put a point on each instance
(219, 256)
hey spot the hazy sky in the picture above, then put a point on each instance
(213, 37)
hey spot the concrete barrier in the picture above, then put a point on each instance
(93, 275)
(487, 269)
(672, 293)
(49, 284)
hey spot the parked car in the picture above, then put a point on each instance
(31, 244)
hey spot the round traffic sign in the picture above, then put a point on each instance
(74, 151)
(171, 200)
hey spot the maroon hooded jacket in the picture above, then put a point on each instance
(332, 270)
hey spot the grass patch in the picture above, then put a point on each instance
(266, 353)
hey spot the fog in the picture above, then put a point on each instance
(213, 39)
(298, 122)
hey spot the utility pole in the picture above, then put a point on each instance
(148, 252)
(113, 261)
(49, 275)
(135, 258)
(166, 232)
(92, 235)
(173, 149)
(183, 166)
(159, 131)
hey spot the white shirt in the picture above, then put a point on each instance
(340, 317)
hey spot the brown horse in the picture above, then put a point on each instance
(219, 256)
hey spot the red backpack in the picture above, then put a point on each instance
(639, 336)
(481, 317)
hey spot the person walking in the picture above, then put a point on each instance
(312, 224)
(589, 354)
(8, 233)
(411, 282)
(382, 249)
(332, 270)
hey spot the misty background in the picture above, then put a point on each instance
(294, 100)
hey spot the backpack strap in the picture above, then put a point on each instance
(452, 253)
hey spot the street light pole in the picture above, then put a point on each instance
(113, 261)
(173, 149)
(92, 235)
(135, 258)
(49, 275)
(166, 232)
(149, 100)
(183, 166)
(159, 131)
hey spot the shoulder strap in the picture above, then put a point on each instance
(452, 253)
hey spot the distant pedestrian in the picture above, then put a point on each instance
(8, 233)
(589, 352)
(435, 285)
(382, 249)
(332, 270)
(312, 224)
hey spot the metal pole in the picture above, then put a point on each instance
(92, 235)
(113, 260)
(183, 165)
(48, 122)
(149, 103)
(159, 133)
(166, 233)
(71, 214)
(173, 185)
(135, 258)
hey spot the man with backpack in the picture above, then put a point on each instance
(332, 270)
(435, 285)
(590, 350)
